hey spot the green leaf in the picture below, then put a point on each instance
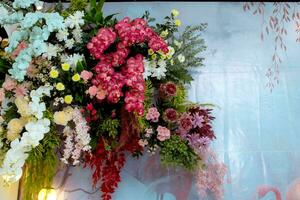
(79, 67)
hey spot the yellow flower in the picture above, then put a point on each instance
(69, 111)
(68, 99)
(4, 43)
(172, 62)
(160, 52)
(14, 128)
(169, 56)
(60, 86)
(65, 66)
(175, 12)
(76, 77)
(153, 57)
(177, 22)
(62, 118)
(163, 56)
(23, 107)
(164, 33)
(150, 52)
(53, 73)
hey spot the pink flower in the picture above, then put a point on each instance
(185, 122)
(31, 71)
(86, 75)
(21, 90)
(127, 80)
(143, 143)
(211, 178)
(2, 94)
(9, 83)
(152, 114)
(163, 133)
(92, 91)
(168, 89)
(148, 131)
(18, 50)
(101, 94)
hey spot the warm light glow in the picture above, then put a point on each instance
(39, 5)
(47, 194)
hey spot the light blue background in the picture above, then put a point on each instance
(258, 131)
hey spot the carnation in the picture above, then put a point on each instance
(185, 123)
(170, 115)
(168, 89)
(152, 114)
(86, 75)
(163, 133)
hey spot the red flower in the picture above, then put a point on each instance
(170, 115)
(168, 89)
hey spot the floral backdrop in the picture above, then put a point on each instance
(256, 130)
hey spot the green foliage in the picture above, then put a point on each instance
(149, 92)
(94, 16)
(146, 16)
(176, 152)
(4, 147)
(110, 126)
(192, 46)
(75, 5)
(179, 101)
(41, 166)
(11, 113)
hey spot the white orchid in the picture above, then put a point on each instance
(75, 20)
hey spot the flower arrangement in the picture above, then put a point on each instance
(81, 88)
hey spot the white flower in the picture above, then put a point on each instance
(77, 33)
(78, 140)
(52, 51)
(75, 20)
(5, 105)
(62, 35)
(37, 109)
(177, 43)
(155, 69)
(11, 169)
(70, 43)
(71, 59)
(181, 58)
(148, 69)
(171, 51)
(159, 73)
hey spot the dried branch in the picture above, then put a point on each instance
(282, 14)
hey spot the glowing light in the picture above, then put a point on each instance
(47, 194)
(39, 5)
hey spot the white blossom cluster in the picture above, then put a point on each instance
(155, 69)
(77, 141)
(73, 24)
(11, 169)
